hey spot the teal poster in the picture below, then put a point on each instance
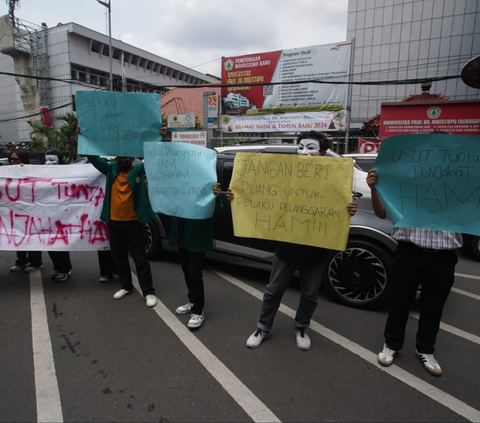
(181, 178)
(431, 181)
(115, 123)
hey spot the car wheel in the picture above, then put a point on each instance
(475, 246)
(152, 240)
(359, 276)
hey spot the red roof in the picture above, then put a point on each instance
(373, 123)
(185, 100)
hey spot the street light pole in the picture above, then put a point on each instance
(108, 6)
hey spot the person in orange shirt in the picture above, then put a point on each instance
(126, 208)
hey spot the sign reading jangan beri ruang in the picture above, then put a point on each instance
(454, 116)
(52, 208)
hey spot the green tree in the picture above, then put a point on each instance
(42, 138)
(66, 137)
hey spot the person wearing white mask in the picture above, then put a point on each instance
(310, 261)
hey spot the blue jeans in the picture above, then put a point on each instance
(311, 269)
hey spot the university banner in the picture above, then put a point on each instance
(286, 69)
(52, 208)
(285, 122)
(181, 178)
(431, 181)
(292, 198)
(117, 124)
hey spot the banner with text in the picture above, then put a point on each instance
(52, 208)
(292, 198)
(431, 181)
(180, 179)
(286, 122)
(328, 62)
(117, 124)
(454, 116)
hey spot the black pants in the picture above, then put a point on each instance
(435, 272)
(61, 261)
(128, 237)
(32, 257)
(192, 264)
(106, 263)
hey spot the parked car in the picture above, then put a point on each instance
(365, 161)
(4, 161)
(357, 277)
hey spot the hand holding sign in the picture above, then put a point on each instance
(116, 123)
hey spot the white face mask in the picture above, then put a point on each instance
(309, 147)
(51, 159)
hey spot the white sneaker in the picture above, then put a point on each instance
(54, 275)
(151, 300)
(302, 338)
(386, 356)
(30, 269)
(256, 338)
(62, 277)
(196, 320)
(184, 309)
(120, 294)
(18, 268)
(430, 363)
(104, 279)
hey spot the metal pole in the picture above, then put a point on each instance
(349, 94)
(109, 7)
(110, 52)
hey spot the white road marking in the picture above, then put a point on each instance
(420, 385)
(49, 407)
(458, 332)
(467, 294)
(463, 275)
(245, 398)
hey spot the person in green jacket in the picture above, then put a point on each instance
(194, 238)
(126, 207)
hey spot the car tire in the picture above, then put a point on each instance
(360, 276)
(153, 244)
(475, 247)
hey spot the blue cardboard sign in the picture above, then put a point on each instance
(431, 181)
(180, 179)
(117, 124)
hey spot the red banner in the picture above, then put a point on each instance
(454, 117)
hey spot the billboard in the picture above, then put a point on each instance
(286, 69)
(454, 116)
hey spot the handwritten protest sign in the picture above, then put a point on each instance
(292, 198)
(431, 181)
(52, 208)
(180, 179)
(117, 124)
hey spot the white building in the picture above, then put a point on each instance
(408, 39)
(76, 58)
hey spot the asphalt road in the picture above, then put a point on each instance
(69, 352)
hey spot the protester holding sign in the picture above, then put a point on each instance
(62, 265)
(310, 260)
(126, 208)
(32, 260)
(426, 257)
(194, 237)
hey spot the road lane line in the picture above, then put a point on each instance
(414, 382)
(466, 293)
(49, 407)
(458, 332)
(245, 398)
(463, 275)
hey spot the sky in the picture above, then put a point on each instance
(197, 33)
